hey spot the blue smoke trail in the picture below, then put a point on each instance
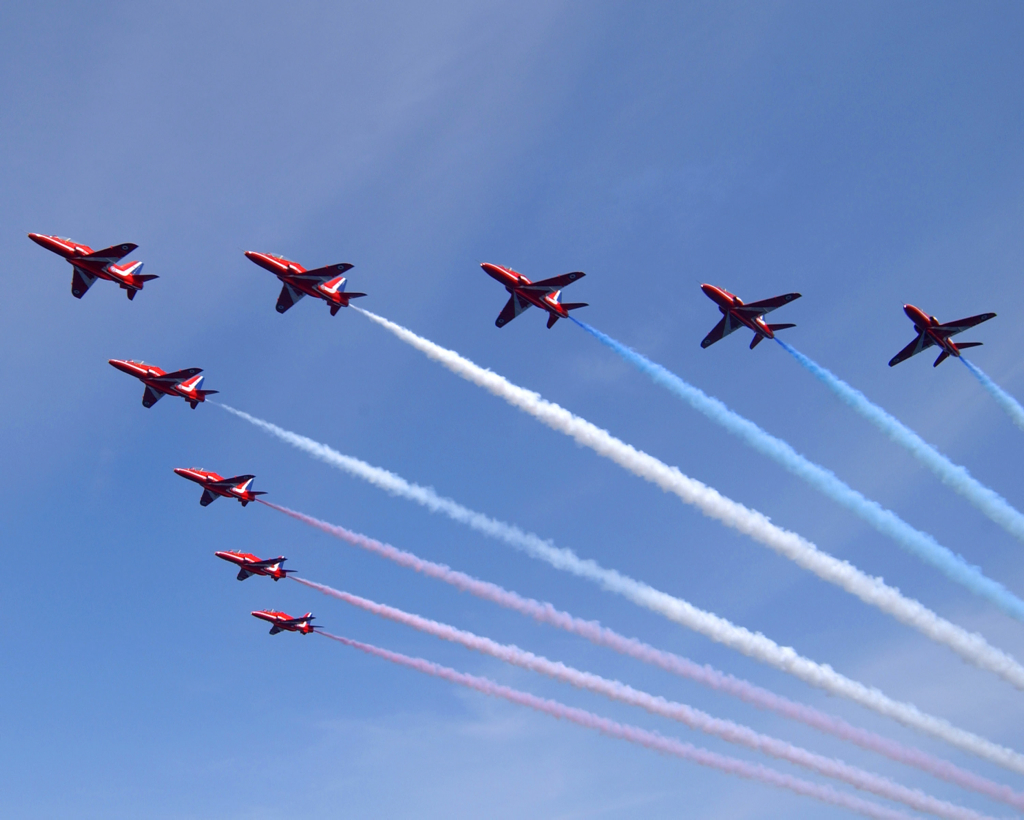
(952, 475)
(918, 543)
(1006, 401)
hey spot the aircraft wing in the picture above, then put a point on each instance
(721, 330)
(151, 396)
(269, 562)
(81, 281)
(952, 328)
(243, 574)
(179, 376)
(767, 305)
(275, 629)
(922, 342)
(289, 296)
(208, 498)
(112, 254)
(234, 481)
(513, 307)
(323, 274)
(555, 283)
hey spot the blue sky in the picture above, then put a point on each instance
(865, 156)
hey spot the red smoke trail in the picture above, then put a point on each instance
(694, 718)
(634, 734)
(670, 662)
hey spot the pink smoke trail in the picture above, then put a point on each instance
(694, 718)
(670, 662)
(634, 734)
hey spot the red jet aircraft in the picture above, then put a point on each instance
(283, 622)
(214, 485)
(184, 383)
(735, 315)
(249, 564)
(930, 333)
(90, 265)
(323, 283)
(545, 294)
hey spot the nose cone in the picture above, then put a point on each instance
(120, 364)
(253, 256)
(48, 242)
(181, 471)
(494, 271)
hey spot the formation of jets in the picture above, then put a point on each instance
(329, 285)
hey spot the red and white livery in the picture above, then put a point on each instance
(283, 622)
(932, 334)
(90, 265)
(214, 486)
(323, 283)
(185, 383)
(736, 314)
(545, 294)
(248, 564)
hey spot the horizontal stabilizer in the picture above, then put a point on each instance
(756, 340)
(574, 305)
(963, 345)
(942, 357)
(773, 328)
(145, 277)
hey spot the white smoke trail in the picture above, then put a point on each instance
(634, 734)
(986, 500)
(971, 647)
(916, 542)
(754, 645)
(1005, 400)
(726, 730)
